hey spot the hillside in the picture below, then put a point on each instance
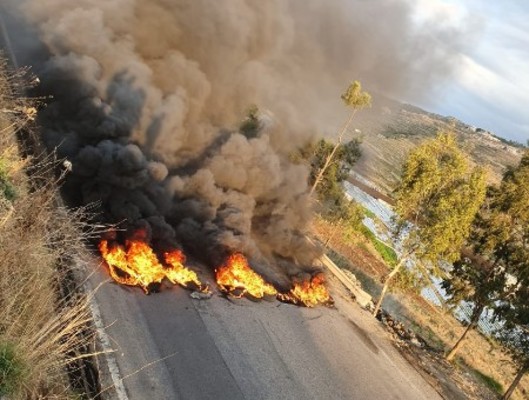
(391, 129)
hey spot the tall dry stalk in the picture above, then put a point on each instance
(46, 326)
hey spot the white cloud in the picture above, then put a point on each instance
(440, 11)
(492, 82)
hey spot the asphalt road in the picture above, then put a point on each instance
(169, 346)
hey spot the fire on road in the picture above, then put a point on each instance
(170, 346)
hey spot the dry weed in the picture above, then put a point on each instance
(44, 322)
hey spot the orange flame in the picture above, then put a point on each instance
(237, 275)
(177, 273)
(309, 292)
(136, 264)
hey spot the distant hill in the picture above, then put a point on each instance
(391, 129)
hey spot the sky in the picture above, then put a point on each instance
(490, 86)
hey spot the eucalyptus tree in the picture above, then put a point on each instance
(355, 99)
(436, 201)
(476, 281)
(495, 269)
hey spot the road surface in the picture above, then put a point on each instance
(169, 346)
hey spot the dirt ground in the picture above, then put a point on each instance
(454, 382)
(423, 332)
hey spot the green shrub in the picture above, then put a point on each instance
(489, 381)
(251, 125)
(6, 188)
(387, 253)
(368, 213)
(408, 281)
(367, 233)
(12, 369)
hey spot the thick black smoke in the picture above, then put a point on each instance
(148, 94)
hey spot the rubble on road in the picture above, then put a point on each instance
(451, 382)
(201, 295)
(400, 334)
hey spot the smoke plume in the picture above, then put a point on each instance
(148, 96)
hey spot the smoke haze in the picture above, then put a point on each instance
(148, 96)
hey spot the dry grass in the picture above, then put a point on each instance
(358, 250)
(43, 327)
(479, 351)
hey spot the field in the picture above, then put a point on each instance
(390, 130)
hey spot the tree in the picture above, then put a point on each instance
(498, 252)
(346, 217)
(516, 339)
(510, 249)
(345, 156)
(477, 281)
(515, 333)
(337, 208)
(251, 124)
(436, 202)
(356, 100)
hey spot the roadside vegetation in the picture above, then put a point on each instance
(43, 324)
(444, 213)
(386, 252)
(436, 203)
